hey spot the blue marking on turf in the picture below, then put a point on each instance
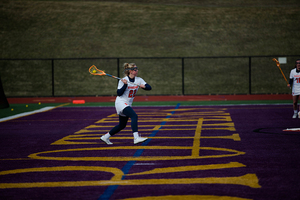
(111, 189)
(108, 192)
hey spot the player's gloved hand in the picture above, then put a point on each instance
(124, 81)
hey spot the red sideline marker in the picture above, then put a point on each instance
(78, 101)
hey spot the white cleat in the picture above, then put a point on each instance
(139, 140)
(299, 114)
(295, 115)
(106, 140)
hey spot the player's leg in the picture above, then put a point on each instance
(299, 106)
(122, 124)
(128, 111)
(295, 105)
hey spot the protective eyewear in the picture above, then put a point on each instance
(134, 69)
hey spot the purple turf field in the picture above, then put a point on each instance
(205, 152)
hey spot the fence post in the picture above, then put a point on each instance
(249, 74)
(118, 66)
(52, 64)
(182, 74)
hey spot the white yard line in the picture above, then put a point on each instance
(292, 129)
(26, 113)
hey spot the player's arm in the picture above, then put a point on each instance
(121, 90)
(146, 87)
(291, 82)
(291, 79)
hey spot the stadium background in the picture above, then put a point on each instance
(181, 47)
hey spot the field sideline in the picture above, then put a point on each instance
(21, 105)
(189, 98)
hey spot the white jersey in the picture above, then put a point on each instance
(296, 82)
(127, 97)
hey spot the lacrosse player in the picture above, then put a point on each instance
(295, 84)
(126, 93)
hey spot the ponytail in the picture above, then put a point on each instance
(127, 67)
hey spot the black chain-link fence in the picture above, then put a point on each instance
(167, 76)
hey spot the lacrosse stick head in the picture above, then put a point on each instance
(278, 65)
(95, 71)
(277, 62)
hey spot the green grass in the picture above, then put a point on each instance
(80, 29)
(15, 109)
(62, 29)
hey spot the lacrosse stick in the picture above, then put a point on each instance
(95, 71)
(278, 65)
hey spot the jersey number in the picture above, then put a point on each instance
(132, 93)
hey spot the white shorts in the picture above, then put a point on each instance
(295, 93)
(120, 106)
(296, 90)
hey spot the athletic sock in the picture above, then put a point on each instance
(107, 135)
(135, 134)
(295, 111)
